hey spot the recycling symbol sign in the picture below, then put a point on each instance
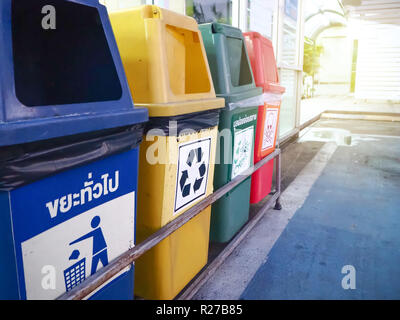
(193, 166)
(195, 158)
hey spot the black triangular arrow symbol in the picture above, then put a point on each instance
(202, 170)
(183, 179)
(186, 190)
(199, 154)
(197, 184)
(190, 158)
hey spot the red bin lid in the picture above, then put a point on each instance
(263, 63)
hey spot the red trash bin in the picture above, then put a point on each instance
(265, 72)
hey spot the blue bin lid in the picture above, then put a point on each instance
(60, 76)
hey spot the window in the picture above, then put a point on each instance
(210, 10)
(288, 107)
(67, 65)
(260, 16)
(291, 64)
(289, 40)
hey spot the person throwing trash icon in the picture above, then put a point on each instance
(99, 244)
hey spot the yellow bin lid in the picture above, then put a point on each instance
(165, 61)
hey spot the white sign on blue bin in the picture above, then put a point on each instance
(73, 224)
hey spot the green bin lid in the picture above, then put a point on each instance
(229, 61)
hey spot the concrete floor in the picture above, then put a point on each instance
(341, 182)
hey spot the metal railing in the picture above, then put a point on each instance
(126, 259)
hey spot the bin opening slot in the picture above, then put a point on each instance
(187, 68)
(238, 62)
(61, 56)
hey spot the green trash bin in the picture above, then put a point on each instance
(233, 80)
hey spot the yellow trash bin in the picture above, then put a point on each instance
(168, 73)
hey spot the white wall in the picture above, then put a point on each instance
(336, 58)
(378, 63)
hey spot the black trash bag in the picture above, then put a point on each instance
(193, 121)
(25, 163)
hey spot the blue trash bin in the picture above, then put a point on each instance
(69, 144)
